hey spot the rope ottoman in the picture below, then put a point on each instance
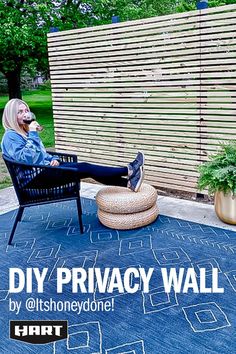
(120, 208)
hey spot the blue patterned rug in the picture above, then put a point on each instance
(139, 323)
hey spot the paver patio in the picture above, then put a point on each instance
(169, 206)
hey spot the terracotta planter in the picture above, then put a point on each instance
(225, 207)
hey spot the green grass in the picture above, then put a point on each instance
(40, 102)
(5, 182)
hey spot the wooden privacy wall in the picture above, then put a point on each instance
(165, 85)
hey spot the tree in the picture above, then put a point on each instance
(24, 25)
(23, 28)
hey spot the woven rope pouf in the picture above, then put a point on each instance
(120, 208)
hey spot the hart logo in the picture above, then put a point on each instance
(38, 332)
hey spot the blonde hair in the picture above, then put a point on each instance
(9, 117)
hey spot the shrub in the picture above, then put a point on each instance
(219, 173)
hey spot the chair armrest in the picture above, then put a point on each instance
(26, 175)
(28, 166)
(51, 177)
(48, 168)
(63, 156)
(46, 182)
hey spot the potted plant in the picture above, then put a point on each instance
(219, 176)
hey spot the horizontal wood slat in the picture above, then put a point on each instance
(64, 93)
(156, 46)
(146, 65)
(140, 136)
(175, 55)
(149, 110)
(153, 128)
(179, 73)
(148, 104)
(164, 85)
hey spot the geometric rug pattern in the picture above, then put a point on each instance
(141, 323)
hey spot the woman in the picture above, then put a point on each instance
(21, 142)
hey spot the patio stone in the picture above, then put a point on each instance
(169, 206)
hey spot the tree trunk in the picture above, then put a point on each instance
(13, 82)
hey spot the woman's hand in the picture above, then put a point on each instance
(33, 126)
(54, 163)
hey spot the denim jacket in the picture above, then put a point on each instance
(28, 150)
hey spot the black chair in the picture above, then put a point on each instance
(40, 184)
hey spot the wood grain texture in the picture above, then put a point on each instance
(165, 85)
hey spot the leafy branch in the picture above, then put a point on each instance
(219, 173)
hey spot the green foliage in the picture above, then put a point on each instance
(5, 182)
(186, 5)
(129, 9)
(219, 173)
(23, 28)
(190, 5)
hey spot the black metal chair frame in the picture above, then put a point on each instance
(31, 189)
